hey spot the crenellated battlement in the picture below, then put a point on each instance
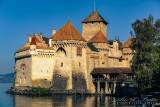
(69, 43)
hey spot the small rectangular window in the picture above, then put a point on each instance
(79, 51)
(61, 64)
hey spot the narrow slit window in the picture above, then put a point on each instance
(61, 64)
(79, 51)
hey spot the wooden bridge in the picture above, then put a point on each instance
(105, 85)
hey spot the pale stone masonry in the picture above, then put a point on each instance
(66, 60)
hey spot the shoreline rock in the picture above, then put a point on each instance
(28, 91)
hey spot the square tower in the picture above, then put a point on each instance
(92, 25)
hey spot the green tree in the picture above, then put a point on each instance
(122, 77)
(156, 68)
(143, 46)
(156, 57)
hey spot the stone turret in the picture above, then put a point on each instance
(33, 44)
(127, 51)
(29, 38)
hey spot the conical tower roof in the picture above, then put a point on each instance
(98, 38)
(67, 32)
(127, 43)
(33, 42)
(94, 17)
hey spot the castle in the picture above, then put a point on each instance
(69, 61)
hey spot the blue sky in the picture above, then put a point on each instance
(20, 17)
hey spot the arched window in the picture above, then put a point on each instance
(23, 66)
(61, 52)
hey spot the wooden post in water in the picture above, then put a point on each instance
(114, 87)
(106, 87)
(98, 87)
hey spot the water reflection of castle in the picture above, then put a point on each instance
(63, 101)
(69, 61)
(82, 101)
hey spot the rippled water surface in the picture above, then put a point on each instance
(7, 100)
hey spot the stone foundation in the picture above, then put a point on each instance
(60, 82)
(79, 82)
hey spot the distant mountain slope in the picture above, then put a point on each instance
(7, 78)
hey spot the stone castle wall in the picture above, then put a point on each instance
(79, 69)
(113, 62)
(70, 69)
(42, 70)
(23, 71)
(63, 71)
(127, 55)
(114, 50)
(34, 67)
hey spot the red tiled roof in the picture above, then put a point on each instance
(98, 38)
(23, 49)
(127, 43)
(67, 32)
(94, 17)
(34, 41)
(116, 70)
(48, 48)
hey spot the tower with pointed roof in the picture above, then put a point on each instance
(70, 59)
(93, 24)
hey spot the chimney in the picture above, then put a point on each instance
(36, 34)
(53, 31)
(29, 38)
(41, 33)
(50, 42)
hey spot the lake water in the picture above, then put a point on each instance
(7, 100)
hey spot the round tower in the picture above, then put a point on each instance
(70, 71)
